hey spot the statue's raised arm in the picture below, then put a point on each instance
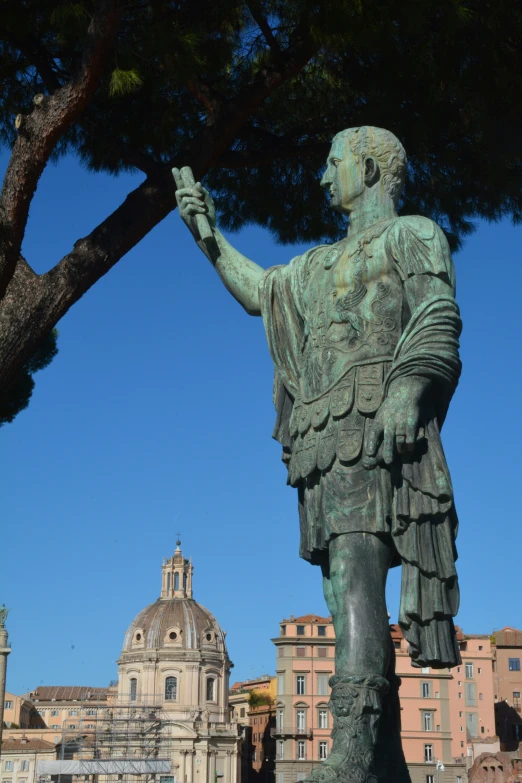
(240, 276)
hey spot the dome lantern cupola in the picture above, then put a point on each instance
(176, 575)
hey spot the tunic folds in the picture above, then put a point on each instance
(343, 323)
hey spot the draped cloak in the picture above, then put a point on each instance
(411, 502)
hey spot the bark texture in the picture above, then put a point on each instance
(32, 304)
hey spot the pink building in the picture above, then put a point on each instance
(444, 713)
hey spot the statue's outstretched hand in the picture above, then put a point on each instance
(396, 424)
(196, 200)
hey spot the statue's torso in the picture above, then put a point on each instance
(353, 319)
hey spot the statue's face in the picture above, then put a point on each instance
(343, 178)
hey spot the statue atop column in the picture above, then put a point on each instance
(3, 615)
(364, 338)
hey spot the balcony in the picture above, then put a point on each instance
(283, 731)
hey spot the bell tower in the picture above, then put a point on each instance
(176, 575)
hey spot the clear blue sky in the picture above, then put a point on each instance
(156, 417)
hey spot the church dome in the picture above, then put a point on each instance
(175, 621)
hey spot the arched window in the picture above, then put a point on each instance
(184, 581)
(133, 691)
(171, 689)
(211, 689)
(176, 581)
(168, 581)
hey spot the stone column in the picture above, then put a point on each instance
(4, 652)
(211, 766)
(228, 767)
(183, 765)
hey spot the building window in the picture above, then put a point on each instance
(176, 581)
(517, 732)
(283, 630)
(8, 766)
(322, 684)
(8, 705)
(479, 670)
(24, 765)
(300, 630)
(428, 753)
(280, 719)
(321, 630)
(254, 756)
(459, 779)
(514, 664)
(255, 721)
(323, 750)
(73, 713)
(460, 694)
(301, 750)
(133, 682)
(322, 652)
(427, 721)
(71, 725)
(425, 670)
(300, 716)
(516, 700)
(280, 777)
(472, 724)
(255, 737)
(54, 713)
(480, 697)
(91, 726)
(281, 749)
(300, 652)
(280, 683)
(211, 688)
(469, 671)
(300, 684)
(481, 647)
(426, 690)
(55, 725)
(471, 694)
(323, 719)
(429, 778)
(171, 689)
(89, 712)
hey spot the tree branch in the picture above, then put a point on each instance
(265, 28)
(40, 131)
(48, 297)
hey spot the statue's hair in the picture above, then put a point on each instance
(387, 150)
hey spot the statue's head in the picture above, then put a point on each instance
(363, 158)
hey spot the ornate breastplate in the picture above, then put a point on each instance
(353, 312)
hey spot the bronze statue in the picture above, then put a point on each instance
(364, 338)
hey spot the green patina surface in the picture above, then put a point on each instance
(364, 338)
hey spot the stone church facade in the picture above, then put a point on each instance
(173, 676)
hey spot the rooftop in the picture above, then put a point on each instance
(67, 693)
(308, 618)
(29, 744)
(508, 637)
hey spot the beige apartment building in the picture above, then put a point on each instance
(20, 756)
(67, 708)
(253, 704)
(19, 711)
(447, 715)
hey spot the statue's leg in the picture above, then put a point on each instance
(354, 583)
(359, 564)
